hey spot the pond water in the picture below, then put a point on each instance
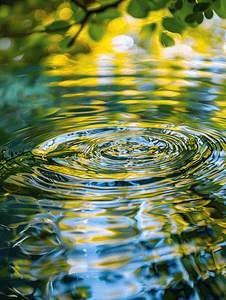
(113, 180)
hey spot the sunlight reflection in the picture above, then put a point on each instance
(121, 43)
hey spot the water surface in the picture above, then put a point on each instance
(113, 180)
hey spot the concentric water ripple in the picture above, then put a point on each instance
(142, 156)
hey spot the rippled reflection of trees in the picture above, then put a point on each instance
(33, 255)
(30, 236)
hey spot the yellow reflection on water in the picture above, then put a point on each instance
(114, 262)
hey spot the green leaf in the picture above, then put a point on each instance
(4, 11)
(220, 8)
(57, 24)
(209, 14)
(96, 32)
(64, 43)
(109, 14)
(191, 18)
(149, 29)
(173, 25)
(166, 40)
(156, 4)
(74, 7)
(179, 4)
(200, 7)
(79, 16)
(138, 9)
(204, 6)
(59, 27)
(199, 18)
(183, 13)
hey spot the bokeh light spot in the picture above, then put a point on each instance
(5, 44)
(4, 11)
(66, 13)
(122, 43)
(39, 15)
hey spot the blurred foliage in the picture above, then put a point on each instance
(32, 29)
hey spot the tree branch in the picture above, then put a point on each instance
(80, 29)
(22, 34)
(97, 10)
(83, 22)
